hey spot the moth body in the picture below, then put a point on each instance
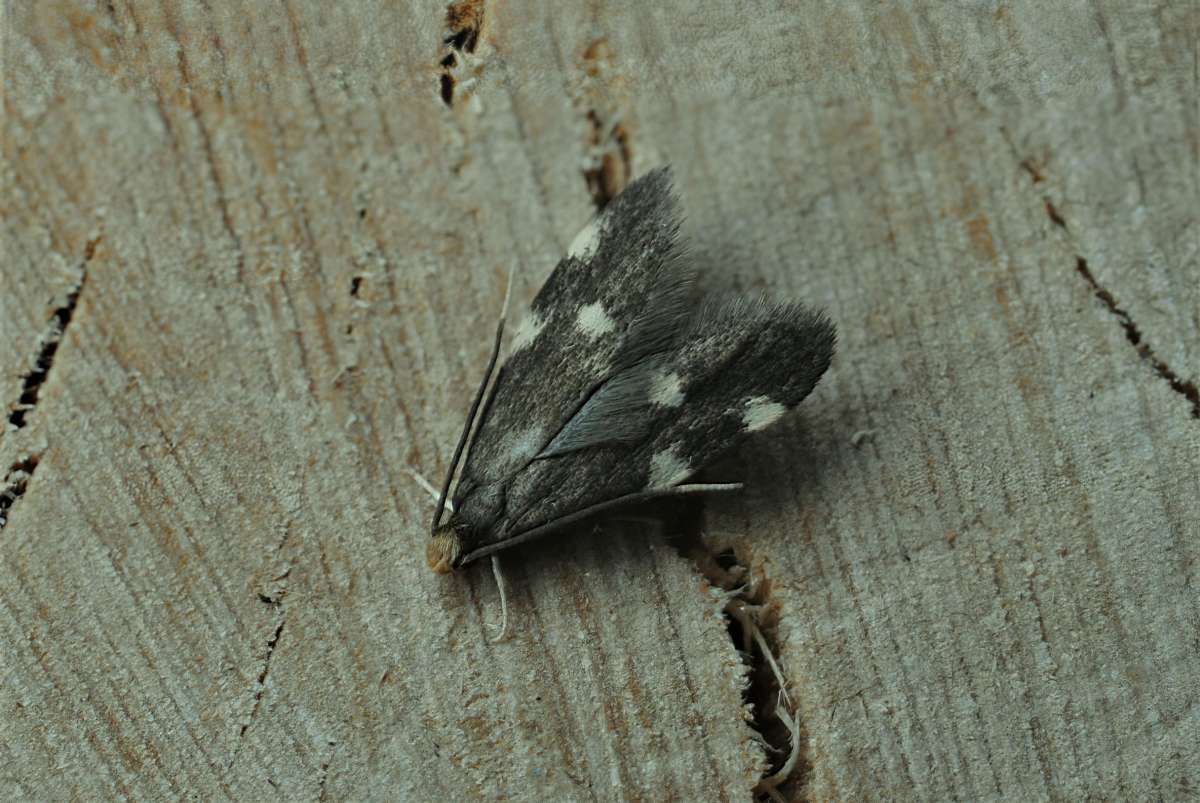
(619, 387)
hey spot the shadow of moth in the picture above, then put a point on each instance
(618, 387)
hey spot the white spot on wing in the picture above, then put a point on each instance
(527, 332)
(761, 412)
(666, 389)
(667, 469)
(516, 449)
(593, 321)
(586, 241)
(523, 446)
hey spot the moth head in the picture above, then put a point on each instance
(444, 549)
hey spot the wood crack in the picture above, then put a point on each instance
(16, 480)
(464, 21)
(752, 620)
(611, 162)
(1133, 333)
(60, 319)
(608, 164)
(323, 777)
(272, 596)
(261, 682)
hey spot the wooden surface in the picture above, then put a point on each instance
(251, 257)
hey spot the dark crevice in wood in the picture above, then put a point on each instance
(464, 20)
(1133, 334)
(614, 168)
(16, 480)
(1035, 172)
(1055, 217)
(463, 40)
(262, 675)
(275, 597)
(750, 603)
(324, 775)
(60, 319)
(608, 140)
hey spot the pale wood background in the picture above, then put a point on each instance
(280, 252)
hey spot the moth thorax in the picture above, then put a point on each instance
(443, 550)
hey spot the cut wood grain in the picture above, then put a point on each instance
(282, 233)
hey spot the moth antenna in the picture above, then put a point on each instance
(503, 599)
(512, 279)
(427, 486)
(466, 431)
(471, 413)
(702, 488)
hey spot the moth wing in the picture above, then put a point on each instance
(737, 369)
(618, 296)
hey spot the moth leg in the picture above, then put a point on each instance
(588, 512)
(426, 486)
(647, 520)
(496, 573)
(651, 521)
(702, 488)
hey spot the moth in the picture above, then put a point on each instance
(618, 386)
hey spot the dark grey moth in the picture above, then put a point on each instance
(618, 386)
